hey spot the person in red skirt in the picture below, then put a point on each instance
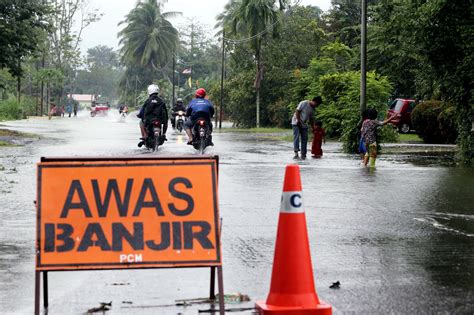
(319, 136)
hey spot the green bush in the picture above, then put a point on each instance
(340, 111)
(241, 99)
(10, 110)
(279, 114)
(28, 106)
(447, 124)
(435, 122)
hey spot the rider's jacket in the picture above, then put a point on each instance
(178, 107)
(200, 108)
(154, 109)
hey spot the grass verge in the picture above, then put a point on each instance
(256, 130)
(17, 134)
(409, 137)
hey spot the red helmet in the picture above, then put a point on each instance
(200, 93)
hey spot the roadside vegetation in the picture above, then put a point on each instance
(418, 50)
(7, 137)
(410, 137)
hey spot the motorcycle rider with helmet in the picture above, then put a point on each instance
(199, 107)
(153, 109)
(178, 106)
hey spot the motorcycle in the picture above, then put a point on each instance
(179, 120)
(123, 112)
(155, 136)
(201, 135)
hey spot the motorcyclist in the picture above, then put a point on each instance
(153, 109)
(174, 111)
(199, 107)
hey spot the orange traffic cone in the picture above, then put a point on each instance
(292, 287)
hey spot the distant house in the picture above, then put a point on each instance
(84, 100)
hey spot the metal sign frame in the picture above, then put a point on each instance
(214, 266)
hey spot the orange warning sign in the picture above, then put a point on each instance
(135, 213)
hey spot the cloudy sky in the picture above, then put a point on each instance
(105, 31)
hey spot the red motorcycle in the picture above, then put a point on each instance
(201, 135)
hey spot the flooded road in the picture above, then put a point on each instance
(400, 239)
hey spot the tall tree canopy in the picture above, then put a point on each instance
(252, 20)
(21, 26)
(148, 39)
(148, 44)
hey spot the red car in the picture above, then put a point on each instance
(403, 108)
(98, 108)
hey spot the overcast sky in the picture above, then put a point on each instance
(105, 31)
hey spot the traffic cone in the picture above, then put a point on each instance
(292, 287)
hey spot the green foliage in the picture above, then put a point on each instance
(308, 80)
(392, 46)
(101, 75)
(340, 111)
(53, 76)
(340, 53)
(435, 122)
(387, 133)
(445, 37)
(343, 21)
(148, 38)
(149, 42)
(447, 120)
(278, 114)
(21, 24)
(28, 106)
(242, 100)
(10, 109)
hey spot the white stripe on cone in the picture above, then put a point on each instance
(292, 202)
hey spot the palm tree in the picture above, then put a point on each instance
(252, 19)
(149, 39)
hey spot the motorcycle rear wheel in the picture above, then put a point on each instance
(202, 145)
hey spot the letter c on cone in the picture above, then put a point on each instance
(292, 288)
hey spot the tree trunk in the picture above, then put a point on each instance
(257, 87)
(42, 87)
(363, 56)
(258, 107)
(222, 78)
(18, 88)
(47, 99)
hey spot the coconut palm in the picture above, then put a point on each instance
(252, 19)
(149, 39)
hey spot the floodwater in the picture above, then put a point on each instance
(400, 239)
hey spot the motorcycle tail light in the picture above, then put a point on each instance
(156, 123)
(202, 122)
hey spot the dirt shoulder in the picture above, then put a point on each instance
(15, 138)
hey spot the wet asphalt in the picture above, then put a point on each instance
(398, 239)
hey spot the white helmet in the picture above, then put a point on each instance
(152, 89)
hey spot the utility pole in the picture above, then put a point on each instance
(136, 88)
(18, 83)
(42, 88)
(222, 80)
(363, 56)
(174, 69)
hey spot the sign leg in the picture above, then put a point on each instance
(212, 293)
(37, 292)
(220, 280)
(45, 289)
